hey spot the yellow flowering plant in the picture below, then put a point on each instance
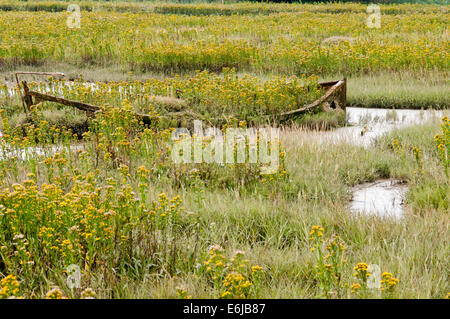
(442, 142)
(233, 278)
(187, 37)
(387, 283)
(329, 261)
(9, 287)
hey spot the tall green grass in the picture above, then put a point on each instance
(270, 223)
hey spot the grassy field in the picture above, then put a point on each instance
(413, 37)
(103, 206)
(105, 196)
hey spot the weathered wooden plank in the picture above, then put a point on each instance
(317, 102)
(79, 105)
(333, 87)
(89, 108)
(27, 99)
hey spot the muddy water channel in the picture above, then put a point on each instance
(383, 197)
(364, 125)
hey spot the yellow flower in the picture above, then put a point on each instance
(55, 294)
(256, 269)
(355, 288)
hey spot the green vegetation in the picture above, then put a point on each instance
(400, 91)
(403, 64)
(102, 193)
(153, 42)
(100, 201)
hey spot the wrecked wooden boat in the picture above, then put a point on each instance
(334, 99)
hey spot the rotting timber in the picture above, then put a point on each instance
(334, 98)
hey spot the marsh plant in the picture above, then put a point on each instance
(331, 271)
